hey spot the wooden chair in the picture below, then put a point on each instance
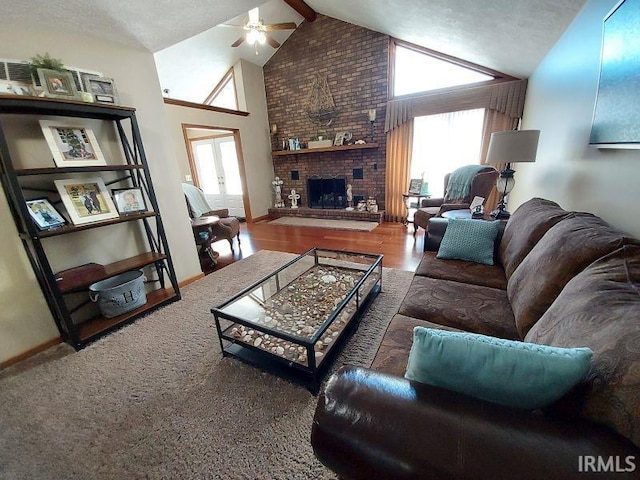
(226, 229)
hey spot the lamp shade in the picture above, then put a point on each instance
(513, 146)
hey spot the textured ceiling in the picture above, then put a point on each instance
(152, 24)
(511, 36)
(208, 56)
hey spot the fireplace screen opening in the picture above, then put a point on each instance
(327, 192)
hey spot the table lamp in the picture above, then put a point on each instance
(506, 148)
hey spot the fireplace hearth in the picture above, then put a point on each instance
(330, 193)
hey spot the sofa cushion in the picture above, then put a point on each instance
(470, 240)
(393, 352)
(507, 372)
(472, 308)
(527, 225)
(462, 271)
(564, 251)
(599, 308)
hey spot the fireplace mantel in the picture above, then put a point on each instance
(279, 153)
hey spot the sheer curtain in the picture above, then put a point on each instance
(399, 143)
(444, 142)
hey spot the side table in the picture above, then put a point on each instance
(406, 197)
(204, 236)
(465, 214)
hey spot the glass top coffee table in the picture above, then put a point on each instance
(293, 322)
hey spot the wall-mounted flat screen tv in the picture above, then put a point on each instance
(616, 118)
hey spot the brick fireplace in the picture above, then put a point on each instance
(327, 192)
(355, 62)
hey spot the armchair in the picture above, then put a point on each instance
(227, 228)
(481, 186)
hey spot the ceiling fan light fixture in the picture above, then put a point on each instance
(262, 38)
(253, 36)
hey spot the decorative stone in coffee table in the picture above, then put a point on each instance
(290, 322)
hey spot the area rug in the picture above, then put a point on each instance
(157, 400)
(325, 223)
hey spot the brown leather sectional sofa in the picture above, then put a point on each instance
(561, 278)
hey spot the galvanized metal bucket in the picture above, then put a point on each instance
(119, 294)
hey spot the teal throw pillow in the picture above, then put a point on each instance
(515, 374)
(471, 240)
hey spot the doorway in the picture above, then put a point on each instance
(217, 168)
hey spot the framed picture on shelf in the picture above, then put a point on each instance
(86, 200)
(58, 84)
(129, 200)
(8, 87)
(415, 186)
(44, 215)
(103, 89)
(72, 145)
(424, 188)
(339, 140)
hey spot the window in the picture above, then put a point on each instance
(224, 94)
(442, 143)
(416, 69)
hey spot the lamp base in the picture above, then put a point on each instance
(500, 214)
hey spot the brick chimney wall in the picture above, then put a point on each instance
(355, 62)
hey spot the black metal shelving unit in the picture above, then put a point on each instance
(134, 172)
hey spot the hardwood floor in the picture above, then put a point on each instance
(395, 241)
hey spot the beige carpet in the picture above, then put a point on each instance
(157, 400)
(325, 223)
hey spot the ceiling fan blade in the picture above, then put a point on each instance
(281, 26)
(238, 42)
(229, 25)
(271, 41)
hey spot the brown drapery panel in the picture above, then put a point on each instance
(399, 149)
(506, 97)
(502, 100)
(494, 121)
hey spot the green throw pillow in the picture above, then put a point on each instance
(511, 373)
(471, 240)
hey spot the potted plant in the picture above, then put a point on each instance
(43, 61)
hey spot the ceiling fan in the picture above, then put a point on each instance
(258, 31)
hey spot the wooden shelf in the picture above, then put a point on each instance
(77, 281)
(280, 153)
(93, 328)
(58, 107)
(78, 228)
(59, 287)
(55, 170)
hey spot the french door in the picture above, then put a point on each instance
(216, 161)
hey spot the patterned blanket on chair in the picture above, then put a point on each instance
(460, 181)
(196, 199)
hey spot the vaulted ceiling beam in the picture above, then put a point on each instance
(303, 9)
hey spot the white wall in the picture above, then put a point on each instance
(254, 134)
(25, 321)
(560, 101)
